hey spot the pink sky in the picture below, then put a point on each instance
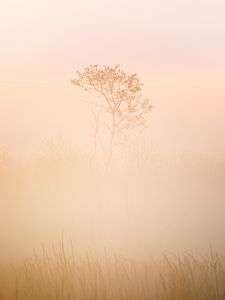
(177, 48)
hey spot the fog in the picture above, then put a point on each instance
(169, 204)
(101, 176)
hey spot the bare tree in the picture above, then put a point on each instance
(121, 95)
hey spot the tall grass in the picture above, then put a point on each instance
(61, 274)
(124, 208)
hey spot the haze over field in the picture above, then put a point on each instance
(118, 205)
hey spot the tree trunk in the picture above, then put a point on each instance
(111, 140)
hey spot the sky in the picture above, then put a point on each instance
(176, 47)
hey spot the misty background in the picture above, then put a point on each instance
(177, 200)
(177, 49)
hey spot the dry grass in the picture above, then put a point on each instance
(40, 192)
(63, 275)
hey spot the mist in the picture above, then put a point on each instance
(112, 167)
(144, 205)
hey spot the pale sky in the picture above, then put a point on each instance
(176, 47)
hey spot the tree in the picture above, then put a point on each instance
(121, 94)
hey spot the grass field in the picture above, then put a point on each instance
(130, 211)
(63, 275)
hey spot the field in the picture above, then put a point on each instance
(136, 231)
(66, 276)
